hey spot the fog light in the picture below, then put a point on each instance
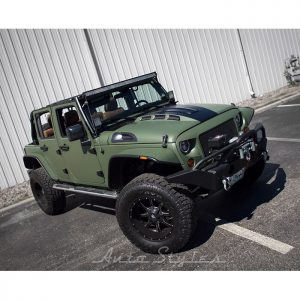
(191, 162)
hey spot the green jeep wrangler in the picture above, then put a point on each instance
(131, 142)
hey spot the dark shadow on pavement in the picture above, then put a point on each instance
(98, 204)
(236, 205)
(232, 206)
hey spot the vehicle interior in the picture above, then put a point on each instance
(102, 108)
(48, 128)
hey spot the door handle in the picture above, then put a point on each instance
(44, 148)
(64, 147)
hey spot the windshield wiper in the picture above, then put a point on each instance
(158, 105)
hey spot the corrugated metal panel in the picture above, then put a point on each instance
(199, 65)
(36, 67)
(265, 51)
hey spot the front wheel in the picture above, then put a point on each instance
(154, 215)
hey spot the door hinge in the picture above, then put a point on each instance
(93, 151)
(164, 141)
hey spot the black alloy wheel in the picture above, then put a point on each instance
(151, 217)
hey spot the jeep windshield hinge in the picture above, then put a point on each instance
(164, 141)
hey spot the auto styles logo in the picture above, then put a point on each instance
(175, 259)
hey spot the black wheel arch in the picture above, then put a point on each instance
(123, 168)
(31, 162)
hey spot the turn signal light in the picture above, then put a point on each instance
(191, 162)
(246, 129)
(143, 157)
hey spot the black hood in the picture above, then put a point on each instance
(198, 113)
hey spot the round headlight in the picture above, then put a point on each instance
(185, 146)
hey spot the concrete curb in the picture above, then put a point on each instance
(4, 209)
(276, 103)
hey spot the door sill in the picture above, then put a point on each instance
(86, 190)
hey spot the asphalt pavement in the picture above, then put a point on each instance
(257, 228)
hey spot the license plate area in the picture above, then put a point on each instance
(229, 181)
(246, 149)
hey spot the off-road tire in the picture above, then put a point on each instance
(183, 189)
(173, 196)
(51, 201)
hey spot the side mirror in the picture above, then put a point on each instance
(171, 96)
(75, 132)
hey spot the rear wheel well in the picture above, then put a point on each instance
(31, 162)
(123, 169)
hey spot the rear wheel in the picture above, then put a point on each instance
(51, 201)
(154, 215)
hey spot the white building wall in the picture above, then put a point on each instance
(265, 51)
(38, 67)
(199, 65)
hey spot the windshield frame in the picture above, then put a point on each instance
(127, 114)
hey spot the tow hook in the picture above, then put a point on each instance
(226, 184)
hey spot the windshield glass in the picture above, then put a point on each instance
(120, 104)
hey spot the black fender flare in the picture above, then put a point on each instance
(117, 162)
(31, 162)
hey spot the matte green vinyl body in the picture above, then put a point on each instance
(91, 168)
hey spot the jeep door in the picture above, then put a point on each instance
(47, 149)
(80, 158)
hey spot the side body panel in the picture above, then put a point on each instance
(46, 151)
(82, 164)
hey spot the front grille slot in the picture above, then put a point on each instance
(159, 117)
(174, 118)
(144, 118)
(228, 128)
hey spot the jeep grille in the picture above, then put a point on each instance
(228, 128)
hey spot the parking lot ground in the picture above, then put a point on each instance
(248, 229)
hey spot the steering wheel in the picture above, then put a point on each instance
(143, 102)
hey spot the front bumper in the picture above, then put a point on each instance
(215, 170)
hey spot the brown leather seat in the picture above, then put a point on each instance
(71, 117)
(111, 109)
(48, 132)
